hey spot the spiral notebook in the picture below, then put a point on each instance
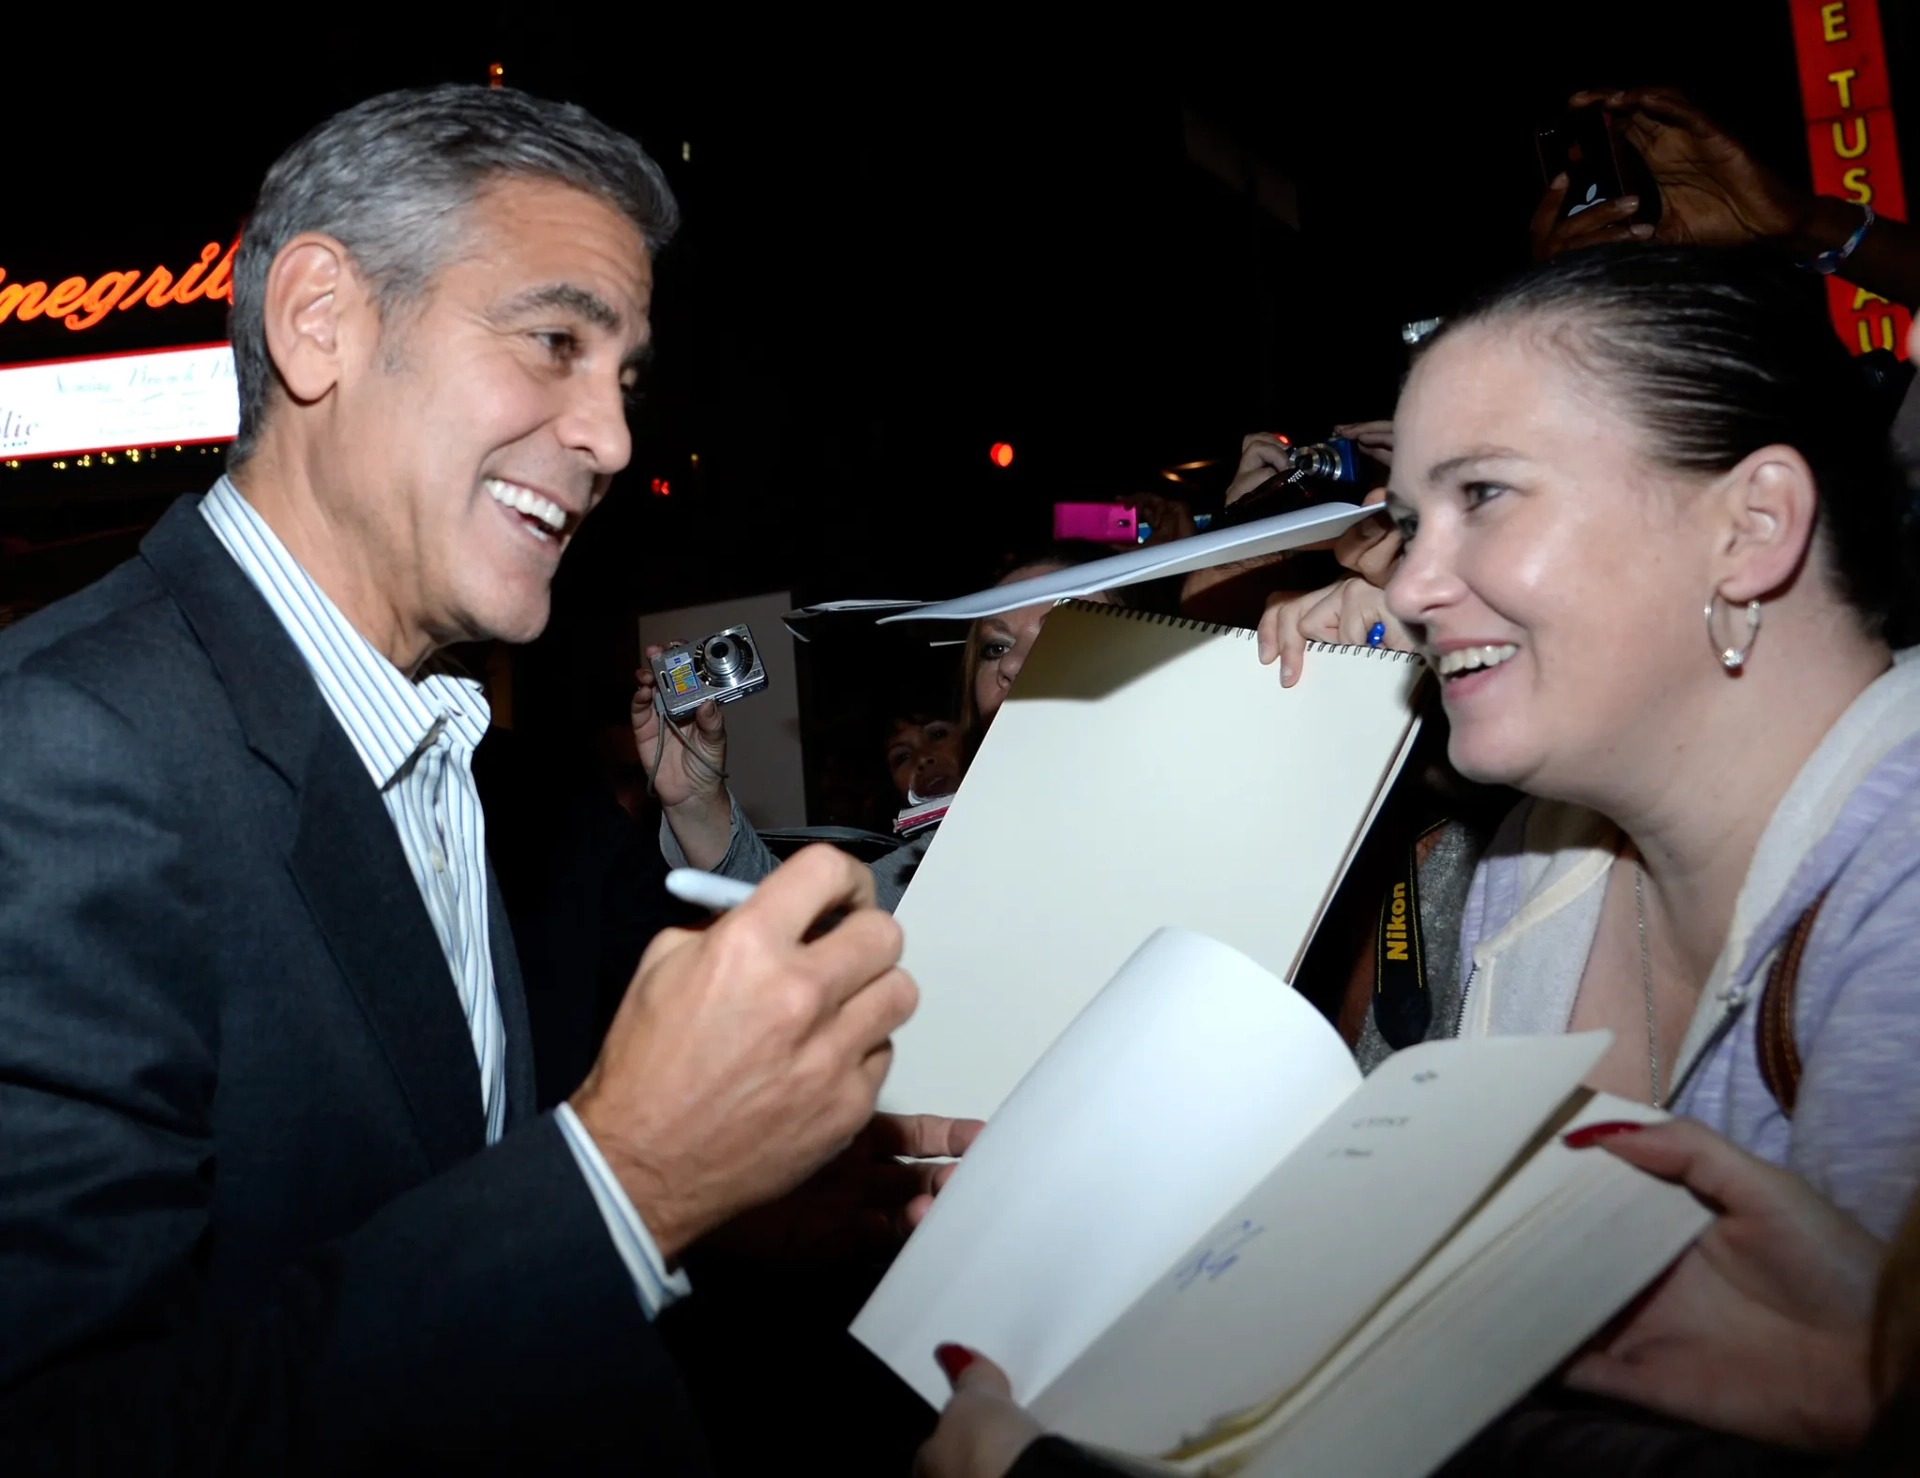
(1145, 772)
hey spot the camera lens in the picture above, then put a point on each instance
(1313, 461)
(724, 659)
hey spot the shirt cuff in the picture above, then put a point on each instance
(656, 1287)
(736, 862)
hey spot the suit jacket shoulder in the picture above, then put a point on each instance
(231, 1050)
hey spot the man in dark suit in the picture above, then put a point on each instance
(273, 1191)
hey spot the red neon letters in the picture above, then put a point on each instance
(1846, 100)
(82, 304)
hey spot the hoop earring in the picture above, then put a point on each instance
(1734, 658)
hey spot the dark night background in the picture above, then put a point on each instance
(901, 244)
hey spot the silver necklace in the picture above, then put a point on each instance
(1646, 982)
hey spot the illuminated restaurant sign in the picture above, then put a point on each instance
(1848, 107)
(81, 302)
(115, 401)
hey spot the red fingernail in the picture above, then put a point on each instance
(953, 1359)
(1591, 1134)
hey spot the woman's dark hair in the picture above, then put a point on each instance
(1715, 354)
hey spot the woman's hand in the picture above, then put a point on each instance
(1371, 548)
(983, 1431)
(676, 778)
(1712, 191)
(1763, 1327)
(1342, 612)
(1169, 518)
(687, 770)
(1597, 225)
(1375, 438)
(1262, 455)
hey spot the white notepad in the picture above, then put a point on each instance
(1145, 772)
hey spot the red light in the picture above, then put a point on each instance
(662, 488)
(1001, 453)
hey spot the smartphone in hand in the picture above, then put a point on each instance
(1599, 164)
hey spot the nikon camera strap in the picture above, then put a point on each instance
(1402, 1006)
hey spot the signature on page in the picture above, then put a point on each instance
(1215, 1258)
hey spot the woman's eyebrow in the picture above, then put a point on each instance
(1450, 466)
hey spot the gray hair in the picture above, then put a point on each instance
(391, 179)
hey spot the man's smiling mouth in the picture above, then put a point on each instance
(545, 518)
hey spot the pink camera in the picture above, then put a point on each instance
(1103, 523)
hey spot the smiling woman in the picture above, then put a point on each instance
(1652, 545)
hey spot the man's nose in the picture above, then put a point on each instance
(595, 425)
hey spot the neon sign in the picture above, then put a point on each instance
(81, 303)
(1848, 107)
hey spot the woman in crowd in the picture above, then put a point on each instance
(924, 756)
(1719, 858)
(1622, 436)
(703, 826)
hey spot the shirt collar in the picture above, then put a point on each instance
(389, 718)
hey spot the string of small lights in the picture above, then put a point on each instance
(134, 455)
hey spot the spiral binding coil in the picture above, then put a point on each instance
(1215, 628)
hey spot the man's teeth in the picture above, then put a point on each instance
(525, 500)
(1467, 659)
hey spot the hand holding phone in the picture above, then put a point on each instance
(1598, 187)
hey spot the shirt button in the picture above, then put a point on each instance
(438, 859)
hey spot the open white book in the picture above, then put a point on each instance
(1145, 772)
(1195, 1234)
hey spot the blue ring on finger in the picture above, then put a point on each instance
(1376, 633)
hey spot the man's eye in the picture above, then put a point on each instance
(1476, 493)
(559, 343)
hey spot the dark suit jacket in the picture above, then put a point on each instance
(247, 1217)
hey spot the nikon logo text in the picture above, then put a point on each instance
(1397, 924)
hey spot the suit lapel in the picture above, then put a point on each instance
(350, 869)
(345, 857)
(507, 985)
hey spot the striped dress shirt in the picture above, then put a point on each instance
(417, 741)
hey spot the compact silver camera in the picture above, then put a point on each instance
(721, 667)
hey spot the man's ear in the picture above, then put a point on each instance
(1767, 507)
(308, 287)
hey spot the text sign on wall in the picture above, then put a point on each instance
(81, 302)
(1849, 112)
(119, 400)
